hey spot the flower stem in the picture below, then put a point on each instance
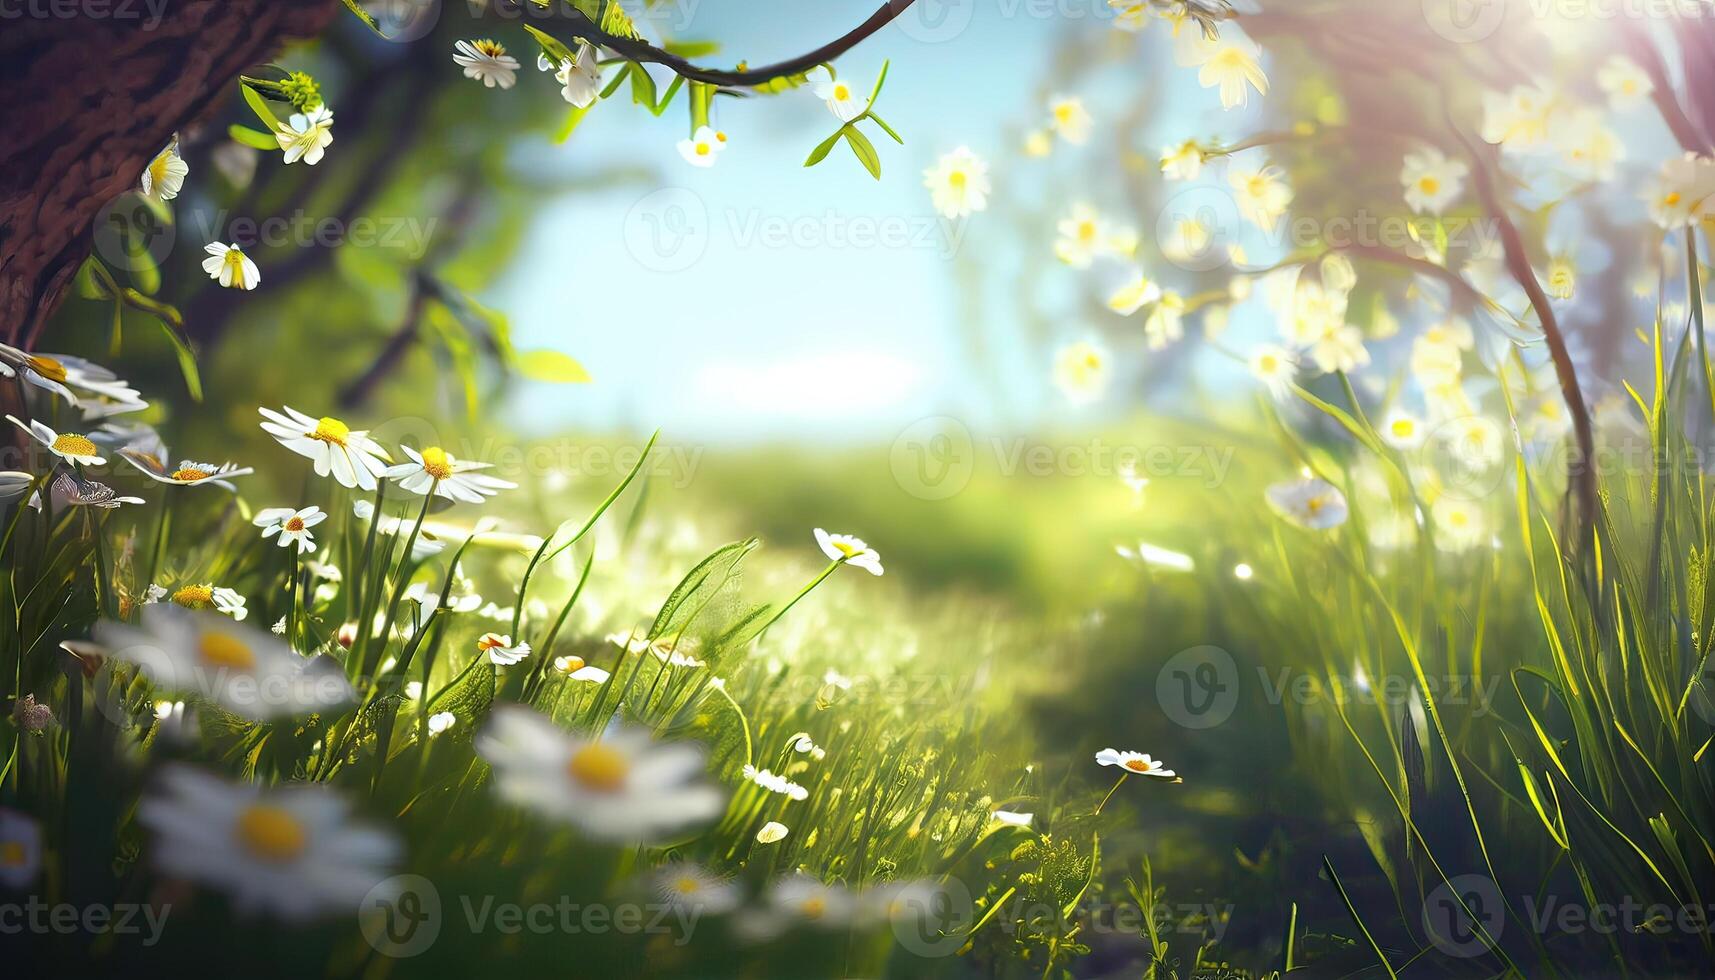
(1117, 784)
(801, 594)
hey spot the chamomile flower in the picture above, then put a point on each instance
(1137, 763)
(848, 550)
(1182, 162)
(802, 900)
(703, 148)
(1068, 117)
(221, 599)
(69, 446)
(1166, 323)
(1010, 818)
(81, 383)
(230, 266)
(841, 98)
(354, 459)
(1432, 180)
(958, 183)
(1680, 194)
(1340, 347)
(1081, 372)
(20, 849)
(1134, 292)
(151, 461)
(1275, 367)
(1260, 191)
(500, 650)
(292, 526)
(165, 175)
(1590, 149)
(1519, 119)
(625, 788)
(1459, 525)
(486, 61)
(1626, 84)
(434, 470)
(772, 832)
(1402, 430)
(1310, 503)
(305, 135)
(1038, 143)
(580, 79)
(1229, 64)
(248, 671)
(691, 887)
(573, 668)
(775, 783)
(14, 484)
(440, 721)
(289, 851)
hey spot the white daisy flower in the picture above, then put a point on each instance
(14, 484)
(1081, 372)
(1138, 763)
(841, 98)
(165, 175)
(1011, 818)
(802, 899)
(1083, 236)
(354, 459)
(849, 550)
(1275, 367)
(69, 446)
(1068, 117)
(625, 788)
(958, 184)
(1459, 524)
(500, 650)
(1432, 180)
(486, 61)
(223, 600)
(247, 671)
(20, 849)
(1311, 503)
(293, 526)
(151, 461)
(834, 678)
(429, 597)
(229, 265)
(580, 80)
(1135, 291)
(1166, 323)
(1626, 84)
(435, 470)
(289, 851)
(704, 146)
(1260, 191)
(441, 721)
(1681, 193)
(1402, 430)
(71, 377)
(1182, 162)
(573, 668)
(690, 887)
(775, 783)
(772, 832)
(1229, 64)
(305, 136)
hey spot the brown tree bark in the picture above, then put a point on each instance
(90, 99)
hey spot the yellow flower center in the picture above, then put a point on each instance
(270, 833)
(191, 474)
(1086, 231)
(720, 135)
(1403, 428)
(491, 48)
(72, 444)
(704, 149)
(47, 367)
(222, 650)
(332, 431)
(1315, 504)
(1428, 184)
(1268, 364)
(437, 463)
(294, 523)
(1458, 518)
(1065, 112)
(814, 907)
(842, 91)
(845, 548)
(1138, 765)
(597, 767)
(1670, 198)
(686, 885)
(235, 261)
(957, 179)
(571, 665)
(11, 854)
(194, 596)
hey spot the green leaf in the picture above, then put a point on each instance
(259, 105)
(187, 361)
(551, 366)
(552, 46)
(252, 138)
(365, 16)
(865, 151)
(825, 147)
(642, 86)
(617, 22)
(886, 128)
(570, 123)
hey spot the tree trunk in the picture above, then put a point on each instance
(91, 99)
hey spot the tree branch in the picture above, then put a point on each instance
(642, 51)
